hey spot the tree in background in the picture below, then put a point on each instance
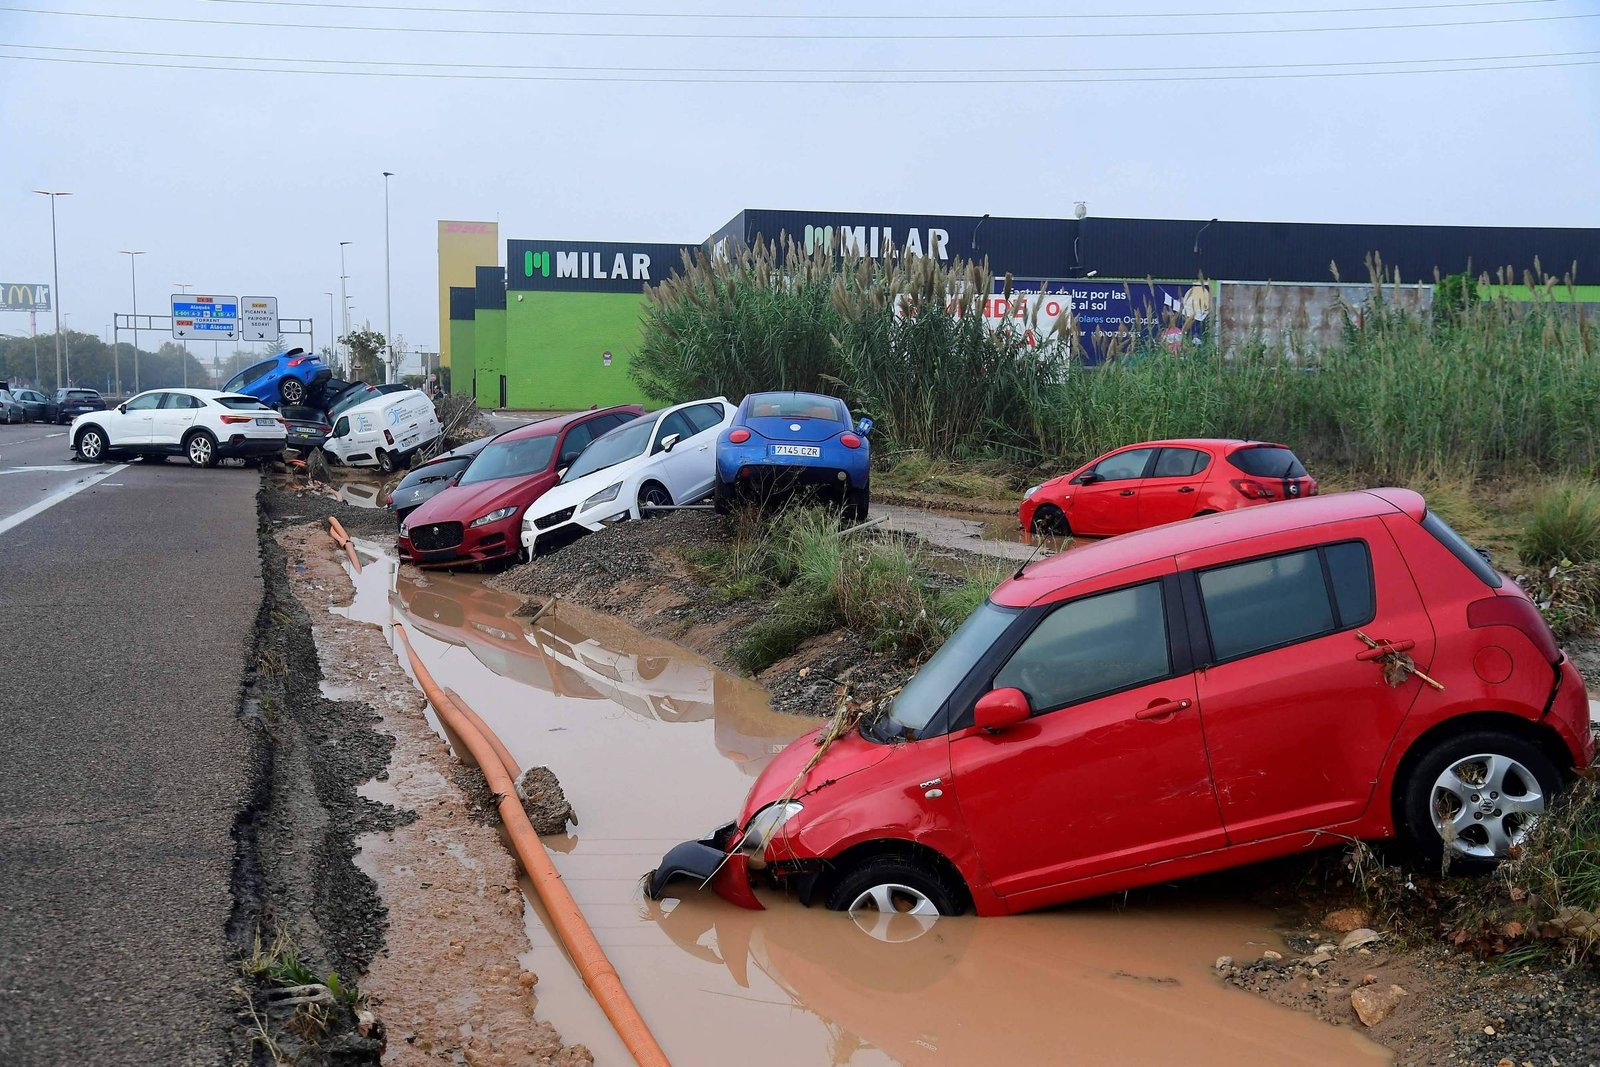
(366, 353)
(95, 364)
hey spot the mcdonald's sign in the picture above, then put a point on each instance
(19, 296)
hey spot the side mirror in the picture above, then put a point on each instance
(122, 408)
(864, 427)
(1000, 708)
(1086, 478)
(669, 442)
(562, 473)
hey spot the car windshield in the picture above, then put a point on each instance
(433, 472)
(1268, 461)
(794, 406)
(357, 395)
(82, 394)
(511, 459)
(625, 442)
(926, 693)
(242, 403)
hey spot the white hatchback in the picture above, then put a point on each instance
(204, 425)
(663, 458)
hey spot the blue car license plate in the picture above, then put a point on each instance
(797, 450)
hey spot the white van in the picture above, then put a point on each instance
(385, 430)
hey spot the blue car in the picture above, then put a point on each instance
(782, 442)
(287, 378)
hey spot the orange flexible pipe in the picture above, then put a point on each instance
(488, 734)
(336, 528)
(597, 970)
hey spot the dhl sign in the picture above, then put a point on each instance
(19, 296)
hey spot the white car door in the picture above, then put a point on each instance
(173, 419)
(682, 467)
(131, 425)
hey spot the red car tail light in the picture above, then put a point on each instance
(1251, 489)
(233, 420)
(296, 361)
(739, 437)
(388, 437)
(849, 440)
(1519, 614)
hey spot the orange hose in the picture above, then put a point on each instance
(598, 973)
(488, 734)
(343, 540)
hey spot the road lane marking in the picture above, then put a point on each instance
(11, 522)
(52, 467)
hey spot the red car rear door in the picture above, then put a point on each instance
(1297, 715)
(1108, 503)
(1172, 491)
(1110, 772)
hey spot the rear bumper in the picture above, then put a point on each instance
(1569, 714)
(239, 446)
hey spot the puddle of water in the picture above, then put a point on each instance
(1005, 528)
(652, 745)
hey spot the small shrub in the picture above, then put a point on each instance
(1563, 526)
(1560, 861)
(1569, 597)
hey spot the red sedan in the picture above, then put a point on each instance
(1157, 482)
(479, 517)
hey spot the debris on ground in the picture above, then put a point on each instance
(544, 802)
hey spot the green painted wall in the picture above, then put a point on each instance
(1578, 294)
(489, 353)
(463, 364)
(555, 345)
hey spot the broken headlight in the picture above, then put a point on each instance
(763, 827)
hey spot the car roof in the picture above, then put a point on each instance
(1199, 442)
(556, 423)
(1041, 580)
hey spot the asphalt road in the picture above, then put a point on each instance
(125, 615)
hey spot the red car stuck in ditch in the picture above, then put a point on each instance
(1155, 482)
(479, 517)
(1147, 708)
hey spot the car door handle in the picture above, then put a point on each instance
(1385, 648)
(1162, 710)
(1126, 492)
(1187, 489)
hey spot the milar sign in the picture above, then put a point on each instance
(593, 266)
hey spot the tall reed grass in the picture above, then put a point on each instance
(1484, 388)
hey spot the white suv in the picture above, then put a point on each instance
(203, 424)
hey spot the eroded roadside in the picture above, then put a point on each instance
(364, 852)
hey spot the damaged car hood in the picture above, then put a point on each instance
(847, 755)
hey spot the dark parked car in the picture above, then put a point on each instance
(12, 409)
(70, 403)
(308, 427)
(40, 408)
(431, 478)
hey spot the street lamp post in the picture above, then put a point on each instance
(332, 344)
(183, 289)
(344, 312)
(388, 311)
(134, 272)
(55, 285)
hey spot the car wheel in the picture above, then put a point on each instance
(1051, 521)
(857, 502)
(92, 444)
(201, 448)
(331, 459)
(884, 888)
(722, 498)
(386, 462)
(292, 391)
(653, 495)
(1477, 795)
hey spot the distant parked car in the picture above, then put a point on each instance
(478, 518)
(288, 378)
(661, 458)
(780, 442)
(1254, 684)
(40, 408)
(429, 479)
(12, 409)
(1156, 482)
(70, 403)
(203, 425)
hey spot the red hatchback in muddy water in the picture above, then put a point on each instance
(1156, 482)
(479, 517)
(1147, 708)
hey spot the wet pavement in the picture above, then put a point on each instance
(653, 746)
(1000, 536)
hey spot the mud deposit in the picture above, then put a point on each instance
(447, 981)
(653, 744)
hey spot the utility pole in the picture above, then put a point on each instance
(183, 289)
(134, 270)
(344, 309)
(55, 287)
(388, 310)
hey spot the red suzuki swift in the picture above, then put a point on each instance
(1144, 485)
(1179, 700)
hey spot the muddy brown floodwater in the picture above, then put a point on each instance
(653, 746)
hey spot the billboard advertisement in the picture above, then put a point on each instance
(588, 266)
(1104, 319)
(24, 296)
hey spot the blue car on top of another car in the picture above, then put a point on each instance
(782, 442)
(288, 378)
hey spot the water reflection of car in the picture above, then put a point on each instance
(748, 732)
(654, 686)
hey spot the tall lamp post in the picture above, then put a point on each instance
(344, 309)
(333, 345)
(133, 269)
(388, 311)
(183, 290)
(55, 286)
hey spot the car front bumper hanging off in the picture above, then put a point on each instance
(705, 862)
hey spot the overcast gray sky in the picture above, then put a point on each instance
(244, 182)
